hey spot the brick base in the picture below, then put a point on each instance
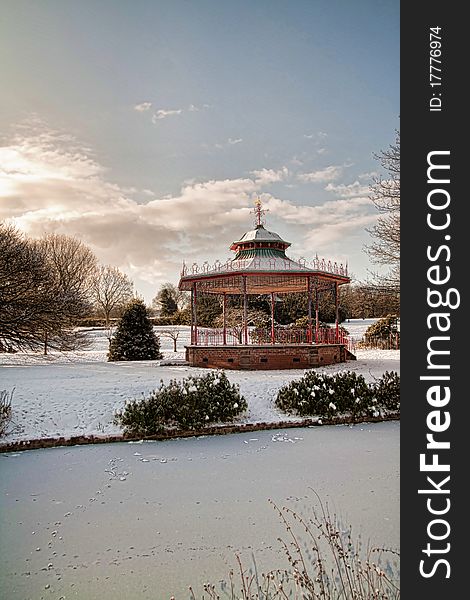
(299, 356)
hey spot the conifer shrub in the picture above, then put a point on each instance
(134, 338)
(386, 390)
(188, 404)
(322, 395)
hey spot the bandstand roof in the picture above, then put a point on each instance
(262, 267)
(259, 234)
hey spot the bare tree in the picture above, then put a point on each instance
(234, 320)
(32, 311)
(173, 334)
(385, 194)
(111, 289)
(71, 266)
(72, 263)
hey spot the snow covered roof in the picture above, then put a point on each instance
(260, 234)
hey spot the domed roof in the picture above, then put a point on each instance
(260, 234)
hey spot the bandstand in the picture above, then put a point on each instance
(261, 267)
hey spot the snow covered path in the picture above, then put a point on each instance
(78, 393)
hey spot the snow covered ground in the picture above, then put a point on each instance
(77, 393)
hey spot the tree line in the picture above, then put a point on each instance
(357, 301)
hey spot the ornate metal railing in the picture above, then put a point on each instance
(262, 336)
(275, 264)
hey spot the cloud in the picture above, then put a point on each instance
(319, 135)
(143, 106)
(49, 182)
(226, 144)
(369, 175)
(322, 225)
(352, 190)
(163, 114)
(322, 175)
(267, 176)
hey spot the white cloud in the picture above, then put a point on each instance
(369, 175)
(232, 142)
(352, 190)
(143, 106)
(267, 176)
(326, 223)
(308, 136)
(163, 114)
(322, 175)
(49, 182)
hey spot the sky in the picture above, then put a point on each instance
(147, 128)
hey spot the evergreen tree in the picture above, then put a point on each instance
(167, 302)
(208, 309)
(134, 338)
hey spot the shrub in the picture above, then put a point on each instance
(187, 404)
(384, 327)
(387, 391)
(135, 338)
(383, 334)
(328, 395)
(5, 409)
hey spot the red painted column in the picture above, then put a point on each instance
(192, 315)
(273, 335)
(317, 324)
(195, 312)
(337, 310)
(224, 313)
(245, 312)
(309, 291)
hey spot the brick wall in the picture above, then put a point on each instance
(265, 357)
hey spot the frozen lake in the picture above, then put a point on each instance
(136, 521)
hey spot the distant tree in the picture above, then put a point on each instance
(290, 307)
(294, 306)
(173, 334)
(234, 320)
(33, 311)
(111, 290)
(134, 338)
(371, 300)
(71, 265)
(169, 300)
(385, 194)
(167, 303)
(208, 309)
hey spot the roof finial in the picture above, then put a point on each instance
(259, 213)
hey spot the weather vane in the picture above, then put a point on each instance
(259, 212)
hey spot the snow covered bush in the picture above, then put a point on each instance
(318, 394)
(5, 410)
(325, 395)
(387, 390)
(135, 338)
(188, 404)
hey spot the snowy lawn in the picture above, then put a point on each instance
(77, 393)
